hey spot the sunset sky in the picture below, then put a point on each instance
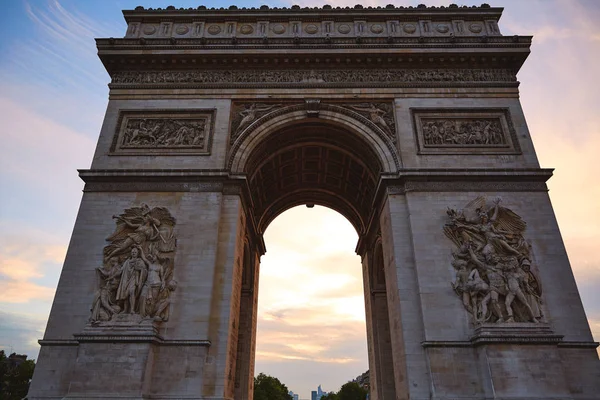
(53, 96)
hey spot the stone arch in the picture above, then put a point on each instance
(328, 114)
(338, 148)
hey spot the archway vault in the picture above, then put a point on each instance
(334, 160)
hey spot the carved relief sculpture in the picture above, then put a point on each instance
(396, 77)
(469, 132)
(465, 131)
(245, 114)
(164, 132)
(381, 114)
(496, 275)
(137, 273)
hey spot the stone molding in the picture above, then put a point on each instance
(164, 132)
(407, 180)
(464, 131)
(506, 333)
(123, 339)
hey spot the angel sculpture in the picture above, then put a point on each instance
(491, 228)
(496, 260)
(376, 117)
(249, 114)
(139, 226)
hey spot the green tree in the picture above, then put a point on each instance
(352, 391)
(330, 396)
(269, 388)
(15, 375)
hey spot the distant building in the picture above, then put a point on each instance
(313, 395)
(293, 395)
(320, 393)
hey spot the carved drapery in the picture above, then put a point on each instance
(496, 273)
(164, 132)
(135, 281)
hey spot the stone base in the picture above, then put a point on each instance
(515, 332)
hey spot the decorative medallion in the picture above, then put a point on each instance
(376, 28)
(465, 131)
(136, 278)
(279, 29)
(497, 277)
(409, 28)
(214, 29)
(149, 30)
(311, 29)
(182, 29)
(442, 28)
(246, 29)
(476, 28)
(168, 132)
(344, 28)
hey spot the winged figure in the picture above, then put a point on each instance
(493, 263)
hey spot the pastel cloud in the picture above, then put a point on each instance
(29, 264)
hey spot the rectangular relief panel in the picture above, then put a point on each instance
(465, 131)
(164, 132)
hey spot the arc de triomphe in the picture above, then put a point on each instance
(407, 121)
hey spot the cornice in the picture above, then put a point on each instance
(327, 10)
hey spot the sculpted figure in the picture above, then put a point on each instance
(145, 228)
(136, 285)
(514, 278)
(133, 274)
(376, 116)
(105, 303)
(497, 285)
(249, 114)
(461, 282)
(164, 301)
(153, 285)
(498, 260)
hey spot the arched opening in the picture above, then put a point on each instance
(311, 315)
(315, 161)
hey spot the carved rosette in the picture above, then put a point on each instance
(164, 132)
(497, 277)
(135, 281)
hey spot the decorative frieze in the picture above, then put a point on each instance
(164, 132)
(496, 274)
(465, 131)
(350, 77)
(135, 281)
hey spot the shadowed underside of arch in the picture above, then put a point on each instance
(313, 163)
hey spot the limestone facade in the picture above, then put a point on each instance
(226, 118)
